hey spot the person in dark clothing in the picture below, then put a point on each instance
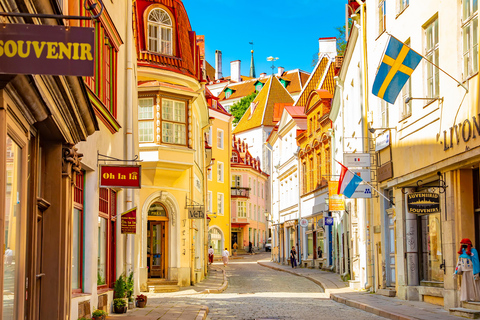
(250, 247)
(293, 257)
(319, 251)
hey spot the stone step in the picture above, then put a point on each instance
(163, 288)
(471, 305)
(386, 292)
(465, 313)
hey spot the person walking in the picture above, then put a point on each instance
(210, 255)
(250, 247)
(293, 257)
(235, 247)
(225, 255)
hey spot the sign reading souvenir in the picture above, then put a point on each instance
(328, 221)
(127, 177)
(129, 221)
(44, 49)
(423, 203)
(356, 159)
(303, 223)
(196, 212)
(335, 201)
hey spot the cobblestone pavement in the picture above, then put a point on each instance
(256, 292)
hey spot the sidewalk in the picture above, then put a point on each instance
(215, 282)
(391, 308)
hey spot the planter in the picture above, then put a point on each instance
(131, 304)
(120, 309)
(141, 304)
(98, 318)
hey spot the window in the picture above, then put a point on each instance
(258, 86)
(384, 113)
(250, 183)
(77, 238)
(220, 171)
(220, 204)
(249, 210)
(173, 121)
(235, 181)
(382, 22)
(262, 190)
(254, 213)
(209, 174)
(402, 4)
(242, 206)
(234, 157)
(209, 136)
(228, 93)
(431, 53)
(406, 109)
(160, 32)
(470, 37)
(254, 187)
(219, 138)
(145, 120)
(319, 164)
(210, 201)
(106, 238)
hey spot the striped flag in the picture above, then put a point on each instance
(348, 182)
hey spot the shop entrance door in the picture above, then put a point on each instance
(234, 239)
(156, 251)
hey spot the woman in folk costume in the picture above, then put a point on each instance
(469, 266)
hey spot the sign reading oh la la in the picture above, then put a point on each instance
(127, 177)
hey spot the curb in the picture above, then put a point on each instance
(220, 289)
(202, 314)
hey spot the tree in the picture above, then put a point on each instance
(239, 108)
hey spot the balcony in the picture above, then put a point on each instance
(240, 192)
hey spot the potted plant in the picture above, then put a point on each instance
(129, 286)
(119, 305)
(141, 301)
(120, 287)
(99, 315)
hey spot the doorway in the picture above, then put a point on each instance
(156, 249)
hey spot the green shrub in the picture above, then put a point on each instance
(119, 302)
(120, 287)
(129, 287)
(98, 313)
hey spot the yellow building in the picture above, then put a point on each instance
(218, 175)
(172, 119)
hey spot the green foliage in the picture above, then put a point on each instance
(99, 313)
(341, 42)
(238, 109)
(119, 302)
(100, 280)
(120, 287)
(129, 286)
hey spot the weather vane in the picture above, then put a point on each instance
(273, 62)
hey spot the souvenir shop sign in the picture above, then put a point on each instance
(127, 177)
(43, 49)
(423, 203)
(129, 221)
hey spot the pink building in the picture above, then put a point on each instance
(248, 196)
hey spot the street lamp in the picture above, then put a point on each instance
(372, 130)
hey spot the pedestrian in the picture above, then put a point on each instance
(293, 257)
(8, 256)
(210, 255)
(250, 247)
(225, 255)
(319, 251)
(235, 247)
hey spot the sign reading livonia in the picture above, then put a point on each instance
(44, 49)
(423, 202)
(129, 221)
(127, 177)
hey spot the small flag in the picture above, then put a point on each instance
(348, 182)
(395, 69)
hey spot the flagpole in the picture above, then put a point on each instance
(461, 84)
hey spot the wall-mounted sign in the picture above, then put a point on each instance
(129, 221)
(423, 203)
(236, 229)
(463, 130)
(382, 141)
(362, 191)
(335, 201)
(44, 49)
(303, 223)
(385, 171)
(328, 221)
(196, 212)
(356, 160)
(127, 177)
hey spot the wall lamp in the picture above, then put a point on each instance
(372, 130)
(408, 99)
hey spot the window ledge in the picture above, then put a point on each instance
(161, 55)
(104, 290)
(102, 113)
(80, 294)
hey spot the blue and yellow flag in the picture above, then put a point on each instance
(396, 67)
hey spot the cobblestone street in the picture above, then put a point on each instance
(256, 292)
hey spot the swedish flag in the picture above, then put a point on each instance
(396, 67)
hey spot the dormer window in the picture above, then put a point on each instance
(228, 93)
(258, 86)
(160, 29)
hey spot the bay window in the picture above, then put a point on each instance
(242, 209)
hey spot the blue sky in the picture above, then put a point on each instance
(285, 29)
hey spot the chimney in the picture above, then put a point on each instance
(235, 71)
(328, 46)
(263, 75)
(280, 71)
(218, 65)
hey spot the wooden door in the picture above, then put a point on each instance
(157, 254)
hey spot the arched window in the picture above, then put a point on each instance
(160, 32)
(157, 209)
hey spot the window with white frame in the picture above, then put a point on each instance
(242, 209)
(402, 4)
(382, 21)
(470, 37)
(145, 120)
(173, 121)
(209, 174)
(220, 204)
(432, 55)
(253, 187)
(250, 183)
(384, 113)
(209, 136)
(262, 190)
(220, 171)
(250, 210)
(219, 138)
(254, 213)
(236, 181)
(406, 107)
(160, 29)
(210, 201)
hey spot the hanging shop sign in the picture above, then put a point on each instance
(328, 221)
(423, 203)
(335, 201)
(382, 141)
(385, 171)
(363, 191)
(356, 160)
(127, 177)
(303, 223)
(196, 212)
(44, 49)
(129, 221)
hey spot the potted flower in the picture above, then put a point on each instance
(141, 301)
(99, 315)
(119, 305)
